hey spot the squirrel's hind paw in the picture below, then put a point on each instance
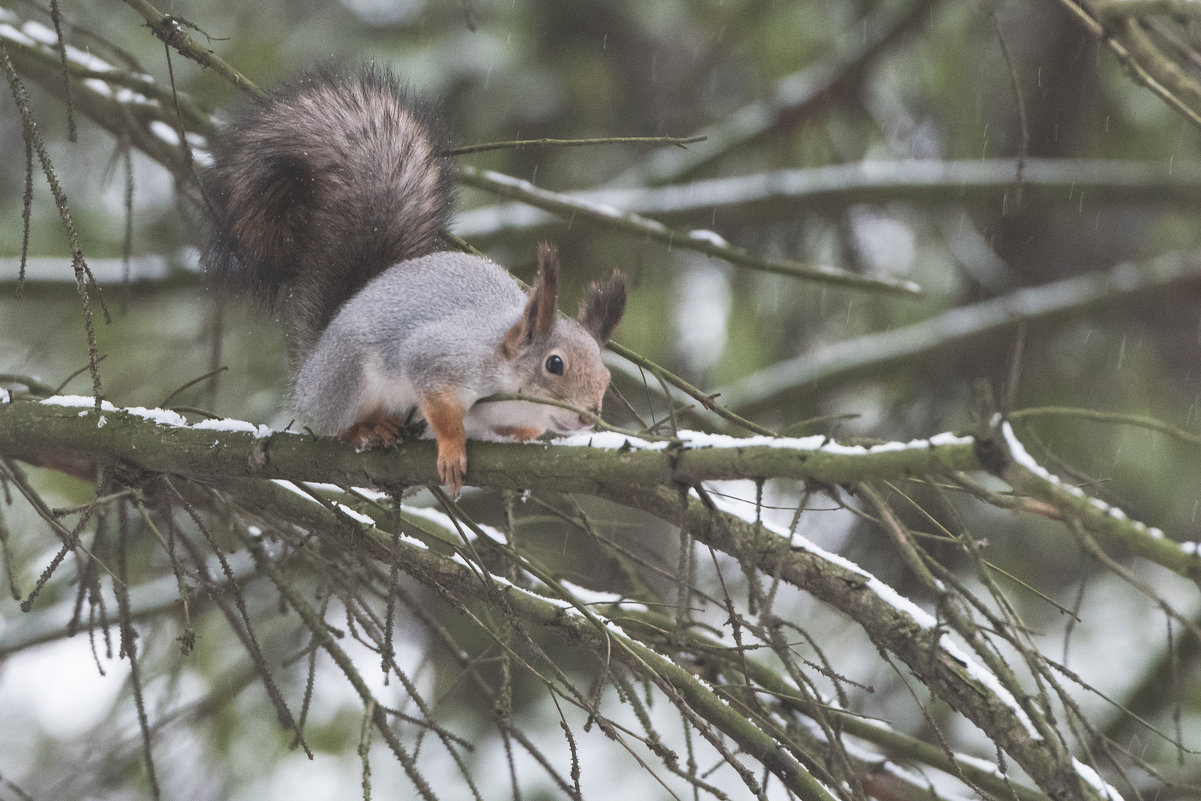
(383, 430)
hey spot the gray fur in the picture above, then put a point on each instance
(327, 199)
(321, 186)
(373, 357)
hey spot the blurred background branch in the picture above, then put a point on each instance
(861, 609)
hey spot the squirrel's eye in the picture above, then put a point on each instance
(554, 364)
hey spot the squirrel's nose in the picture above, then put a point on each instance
(589, 420)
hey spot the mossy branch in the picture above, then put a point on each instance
(239, 459)
(73, 435)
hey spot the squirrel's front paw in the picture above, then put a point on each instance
(452, 464)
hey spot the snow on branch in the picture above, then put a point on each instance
(267, 473)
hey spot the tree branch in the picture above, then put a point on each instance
(647, 476)
(703, 241)
(783, 194)
(956, 330)
(1142, 59)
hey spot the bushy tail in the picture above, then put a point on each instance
(321, 186)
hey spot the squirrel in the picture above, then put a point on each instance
(326, 200)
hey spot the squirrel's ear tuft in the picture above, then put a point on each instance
(545, 294)
(539, 316)
(602, 307)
